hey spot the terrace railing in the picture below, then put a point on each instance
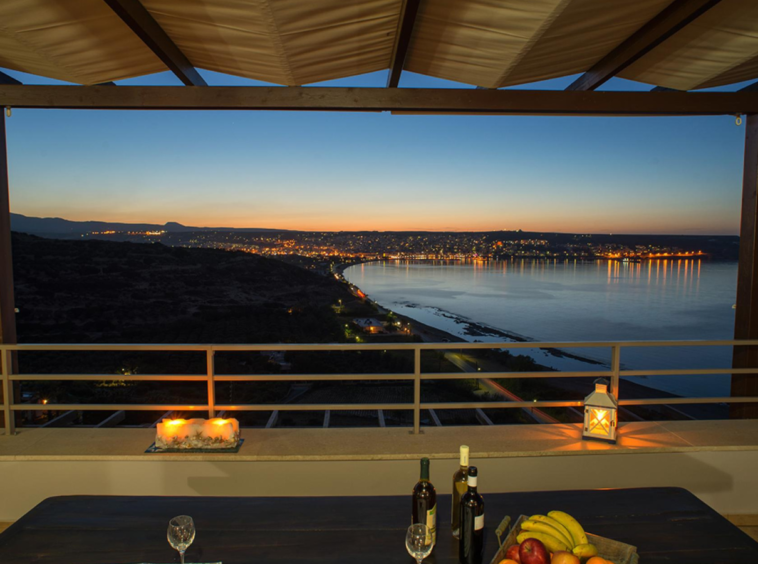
(614, 373)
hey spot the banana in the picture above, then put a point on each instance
(553, 523)
(577, 533)
(550, 542)
(541, 527)
(584, 551)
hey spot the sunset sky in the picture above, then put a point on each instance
(375, 171)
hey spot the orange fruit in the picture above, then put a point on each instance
(597, 560)
(508, 561)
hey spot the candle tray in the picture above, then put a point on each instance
(152, 449)
(618, 552)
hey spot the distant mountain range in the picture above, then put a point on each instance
(58, 226)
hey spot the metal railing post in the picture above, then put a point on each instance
(615, 369)
(416, 391)
(10, 420)
(209, 358)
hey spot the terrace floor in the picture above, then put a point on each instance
(391, 443)
(715, 460)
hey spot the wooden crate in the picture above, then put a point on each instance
(618, 552)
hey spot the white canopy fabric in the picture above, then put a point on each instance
(490, 43)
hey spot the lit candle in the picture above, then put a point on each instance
(219, 429)
(197, 433)
(170, 431)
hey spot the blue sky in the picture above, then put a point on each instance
(349, 171)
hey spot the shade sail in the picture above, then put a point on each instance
(490, 43)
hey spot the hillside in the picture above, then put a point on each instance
(65, 228)
(102, 291)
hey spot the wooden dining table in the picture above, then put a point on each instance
(668, 525)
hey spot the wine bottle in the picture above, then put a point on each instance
(459, 488)
(425, 501)
(471, 544)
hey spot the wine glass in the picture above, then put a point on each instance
(181, 533)
(418, 541)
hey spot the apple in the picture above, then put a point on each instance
(513, 554)
(563, 557)
(533, 551)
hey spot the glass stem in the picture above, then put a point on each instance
(181, 556)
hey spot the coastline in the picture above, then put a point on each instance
(471, 328)
(573, 386)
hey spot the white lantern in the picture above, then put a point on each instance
(600, 414)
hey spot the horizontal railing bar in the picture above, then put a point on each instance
(105, 347)
(370, 376)
(691, 372)
(321, 347)
(502, 404)
(126, 378)
(665, 401)
(513, 375)
(308, 377)
(372, 346)
(715, 343)
(317, 407)
(366, 406)
(104, 407)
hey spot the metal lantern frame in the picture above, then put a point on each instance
(600, 414)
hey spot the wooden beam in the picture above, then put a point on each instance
(467, 101)
(7, 300)
(750, 88)
(64, 419)
(674, 17)
(746, 315)
(136, 16)
(664, 89)
(273, 419)
(112, 420)
(482, 417)
(402, 42)
(7, 79)
(436, 419)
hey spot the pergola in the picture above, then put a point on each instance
(677, 47)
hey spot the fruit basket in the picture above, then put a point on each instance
(616, 552)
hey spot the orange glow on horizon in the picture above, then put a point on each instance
(368, 220)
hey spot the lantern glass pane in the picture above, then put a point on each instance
(600, 422)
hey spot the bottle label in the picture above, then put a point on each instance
(479, 522)
(431, 522)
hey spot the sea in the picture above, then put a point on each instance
(572, 300)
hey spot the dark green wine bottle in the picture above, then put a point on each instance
(425, 501)
(471, 544)
(459, 488)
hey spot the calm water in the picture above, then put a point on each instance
(574, 301)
